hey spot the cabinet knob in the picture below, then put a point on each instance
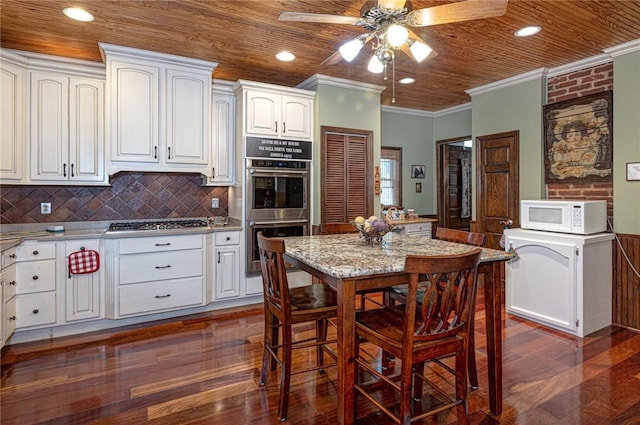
(36, 252)
(35, 277)
(12, 256)
(228, 238)
(12, 283)
(12, 318)
(36, 311)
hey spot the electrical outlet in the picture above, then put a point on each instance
(45, 208)
(215, 202)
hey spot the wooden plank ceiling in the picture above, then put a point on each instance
(243, 37)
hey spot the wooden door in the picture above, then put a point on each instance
(457, 188)
(497, 195)
(346, 175)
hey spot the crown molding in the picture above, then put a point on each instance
(452, 109)
(222, 86)
(578, 65)
(507, 82)
(42, 61)
(406, 111)
(315, 80)
(623, 49)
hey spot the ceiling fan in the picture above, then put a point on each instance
(388, 23)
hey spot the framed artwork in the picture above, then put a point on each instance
(578, 140)
(418, 171)
(418, 187)
(633, 171)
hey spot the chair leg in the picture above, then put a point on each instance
(418, 381)
(285, 378)
(461, 389)
(405, 392)
(471, 360)
(267, 358)
(275, 338)
(321, 335)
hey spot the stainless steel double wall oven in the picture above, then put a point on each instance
(277, 202)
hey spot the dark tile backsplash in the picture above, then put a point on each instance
(131, 196)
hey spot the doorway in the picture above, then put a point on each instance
(454, 164)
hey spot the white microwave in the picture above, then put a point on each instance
(564, 216)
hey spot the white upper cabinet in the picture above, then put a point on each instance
(12, 116)
(66, 138)
(159, 111)
(277, 112)
(223, 136)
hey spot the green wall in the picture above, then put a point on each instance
(626, 142)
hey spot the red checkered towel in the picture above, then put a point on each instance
(84, 261)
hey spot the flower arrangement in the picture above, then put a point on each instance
(373, 228)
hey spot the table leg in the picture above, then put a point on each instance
(493, 311)
(346, 354)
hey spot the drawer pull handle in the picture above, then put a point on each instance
(12, 256)
(218, 257)
(12, 318)
(36, 252)
(163, 267)
(163, 244)
(35, 311)
(35, 277)
(163, 296)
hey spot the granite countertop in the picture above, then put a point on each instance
(347, 255)
(13, 234)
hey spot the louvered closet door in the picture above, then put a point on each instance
(346, 176)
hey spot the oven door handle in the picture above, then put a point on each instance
(280, 172)
(276, 223)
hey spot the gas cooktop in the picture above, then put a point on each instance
(128, 226)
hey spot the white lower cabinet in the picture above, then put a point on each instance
(36, 289)
(227, 265)
(416, 229)
(83, 293)
(7, 295)
(155, 274)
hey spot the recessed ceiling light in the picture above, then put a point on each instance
(285, 56)
(78, 14)
(528, 31)
(407, 80)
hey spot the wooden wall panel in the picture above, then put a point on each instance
(626, 284)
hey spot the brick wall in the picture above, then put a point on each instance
(571, 86)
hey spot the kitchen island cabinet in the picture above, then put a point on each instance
(416, 227)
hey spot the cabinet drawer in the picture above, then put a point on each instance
(227, 238)
(35, 309)
(40, 251)
(8, 257)
(35, 276)
(9, 282)
(155, 296)
(160, 243)
(160, 266)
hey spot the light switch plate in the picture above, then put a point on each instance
(215, 202)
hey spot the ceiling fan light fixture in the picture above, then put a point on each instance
(419, 50)
(350, 49)
(396, 35)
(78, 14)
(375, 65)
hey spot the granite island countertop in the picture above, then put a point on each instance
(347, 255)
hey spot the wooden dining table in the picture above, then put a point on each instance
(348, 264)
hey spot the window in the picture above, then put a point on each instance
(391, 176)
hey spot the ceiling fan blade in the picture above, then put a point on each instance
(406, 48)
(456, 12)
(319, 18)
(334, 59)
(391, 4)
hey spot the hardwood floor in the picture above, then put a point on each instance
(205, 369)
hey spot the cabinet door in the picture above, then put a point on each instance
(227, 264)
(134, 109)
(541, 284)
(49, 137)
(83, 292)
(263, 113)
(188, 117)
(86, 129)
(223, 140)
(296, 117)
(11, 121)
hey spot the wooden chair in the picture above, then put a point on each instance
(284, 307)
(398, 293)
(417, 332)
